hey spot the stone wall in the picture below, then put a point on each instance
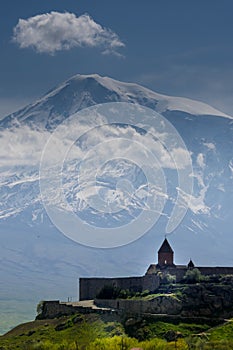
(180, 271)
(159, 305)
(55, 308)
(218, 270)
(90, 287)
(165, 258)
(195, 300)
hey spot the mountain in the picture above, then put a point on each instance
(37, 260)
(84, 91)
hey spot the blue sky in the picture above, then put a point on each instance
(181, 47)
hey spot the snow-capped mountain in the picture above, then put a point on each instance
(83, 91)
(38, 261)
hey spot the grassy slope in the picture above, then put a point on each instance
(91, 332)
(84, 329)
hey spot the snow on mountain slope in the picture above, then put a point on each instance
(129, 92)
(46, 261)
(84, 91)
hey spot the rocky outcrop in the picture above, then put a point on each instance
(163, 304)
(211, 300)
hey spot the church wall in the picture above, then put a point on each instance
(165, 259)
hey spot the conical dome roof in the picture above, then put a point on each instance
(165, 247)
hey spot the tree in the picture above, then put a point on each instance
(108, 292)
(40, 309)
(193, 276)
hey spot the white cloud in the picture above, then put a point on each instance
(201, 160)
(210, 146)
(52, 32)
(195, 203)
(231, 167)
(22, 148)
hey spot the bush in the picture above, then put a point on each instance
(40, 309)
(168, 279)
(193, 276)
(108, 292)
(112, 292)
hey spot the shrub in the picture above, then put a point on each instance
(168, 278)
(108, 292)
(40, 308)
(113, 292)
(193, 276)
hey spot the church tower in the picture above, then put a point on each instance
(165, 255)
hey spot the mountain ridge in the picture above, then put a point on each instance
(114, 84)
(81, 91)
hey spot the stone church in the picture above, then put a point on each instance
(90, 287)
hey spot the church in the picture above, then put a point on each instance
(90, 287)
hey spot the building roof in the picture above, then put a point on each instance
(190, 264)
(165, 247)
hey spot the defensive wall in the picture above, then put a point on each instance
(218, 270)
(180, 270)
(160, 305)
(55, 308)
(90, 287)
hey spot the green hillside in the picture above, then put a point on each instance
(94, 332)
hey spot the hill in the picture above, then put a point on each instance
(96, 332)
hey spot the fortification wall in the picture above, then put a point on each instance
(90, 287)
(180, 271)
(55, 308)
(218, 270)
(159, 305)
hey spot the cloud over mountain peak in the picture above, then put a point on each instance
(54, 31)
